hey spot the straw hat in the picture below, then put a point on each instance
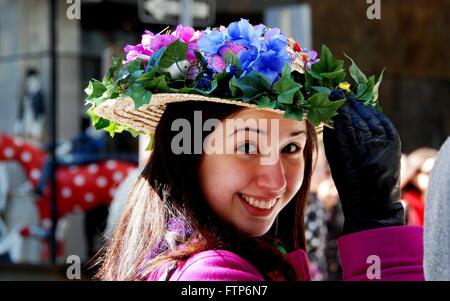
(251, 66)
(146, 117)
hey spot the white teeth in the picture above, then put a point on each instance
(259, 203)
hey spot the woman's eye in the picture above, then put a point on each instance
(247, 148)
(291, 148)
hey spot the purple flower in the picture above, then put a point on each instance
(189, 36)
(151, 43)
(312, 58)
(133, 52)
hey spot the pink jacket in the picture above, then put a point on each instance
(398, 251)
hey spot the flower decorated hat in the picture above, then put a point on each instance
(242, 64)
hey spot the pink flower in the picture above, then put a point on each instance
(217, 63)
(234, 48)
(147, 37)
(151, 43)
(189, 36)
(133, 52)
(159, 41)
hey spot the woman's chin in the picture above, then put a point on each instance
(256, 232)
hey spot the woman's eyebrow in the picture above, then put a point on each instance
(296, 133)
(248, 129)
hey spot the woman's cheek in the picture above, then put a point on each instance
(294, 175)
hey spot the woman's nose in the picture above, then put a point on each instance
(272, 178)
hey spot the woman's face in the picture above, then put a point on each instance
(259, 172)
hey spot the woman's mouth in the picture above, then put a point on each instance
(259, 207)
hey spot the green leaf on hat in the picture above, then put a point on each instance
(124, 73)
(249, 85)
(109, 77)
(174, 53)
(95, 89)
(265, 102)
(97, 121)
(377, 86)
(297, 109)
(321, 108)
(139, 94)
(293, 112)
(157, 85)
(367, 96)
(328, 67)
(358, 76)
(136, 75)
(321, 89)
(147, 76)
(286, 88)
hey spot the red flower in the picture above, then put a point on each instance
(297, 47)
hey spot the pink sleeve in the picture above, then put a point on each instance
(398, 251)
(216, 265)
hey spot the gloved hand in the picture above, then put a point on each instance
(363, 151)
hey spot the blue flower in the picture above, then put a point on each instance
(212, 42)
(248, 57)
(273, 55)
(241, 31)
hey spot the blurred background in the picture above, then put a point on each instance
(49, 49)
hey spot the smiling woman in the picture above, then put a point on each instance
(228, 202)
(240, 188)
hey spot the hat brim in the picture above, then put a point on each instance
(146, 117)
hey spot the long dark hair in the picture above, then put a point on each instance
(166, 208)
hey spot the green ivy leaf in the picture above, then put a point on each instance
(157, 85)
(265, 102)
(111, 129)
(126, 70)
(135, 75)
(367, 96)
(249, 85)
(95, 89)
(321, 108)
(299, 99)
(97, 121)
(139, 95)
(321, 89)
(293, 112)
(286, 88)
(336, 76)
(147, 76)
(175, 52)
(360, 90)
(358, 76)
(109, 76)
(328, 67)
(377, 86)
(309, 81)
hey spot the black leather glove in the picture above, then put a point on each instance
(363, 151)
